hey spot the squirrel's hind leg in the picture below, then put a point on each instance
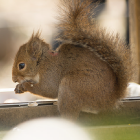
(69, 104)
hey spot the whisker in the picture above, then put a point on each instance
(11, 58)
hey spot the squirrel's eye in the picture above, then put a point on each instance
(21, 66)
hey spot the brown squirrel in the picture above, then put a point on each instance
(89, 71)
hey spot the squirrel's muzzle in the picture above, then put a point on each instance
(14, 78)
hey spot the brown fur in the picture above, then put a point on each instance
(90, 71)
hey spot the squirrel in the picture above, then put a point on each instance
(89, 71)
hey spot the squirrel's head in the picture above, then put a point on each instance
(27, 60)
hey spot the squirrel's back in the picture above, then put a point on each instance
(78, 27)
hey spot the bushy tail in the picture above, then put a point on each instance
(77, 26)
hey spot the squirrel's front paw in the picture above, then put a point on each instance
(19, 89)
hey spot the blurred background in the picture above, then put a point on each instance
(19, 18)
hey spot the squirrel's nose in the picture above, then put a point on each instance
(14, 78)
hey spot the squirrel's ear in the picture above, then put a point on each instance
(34, 47)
